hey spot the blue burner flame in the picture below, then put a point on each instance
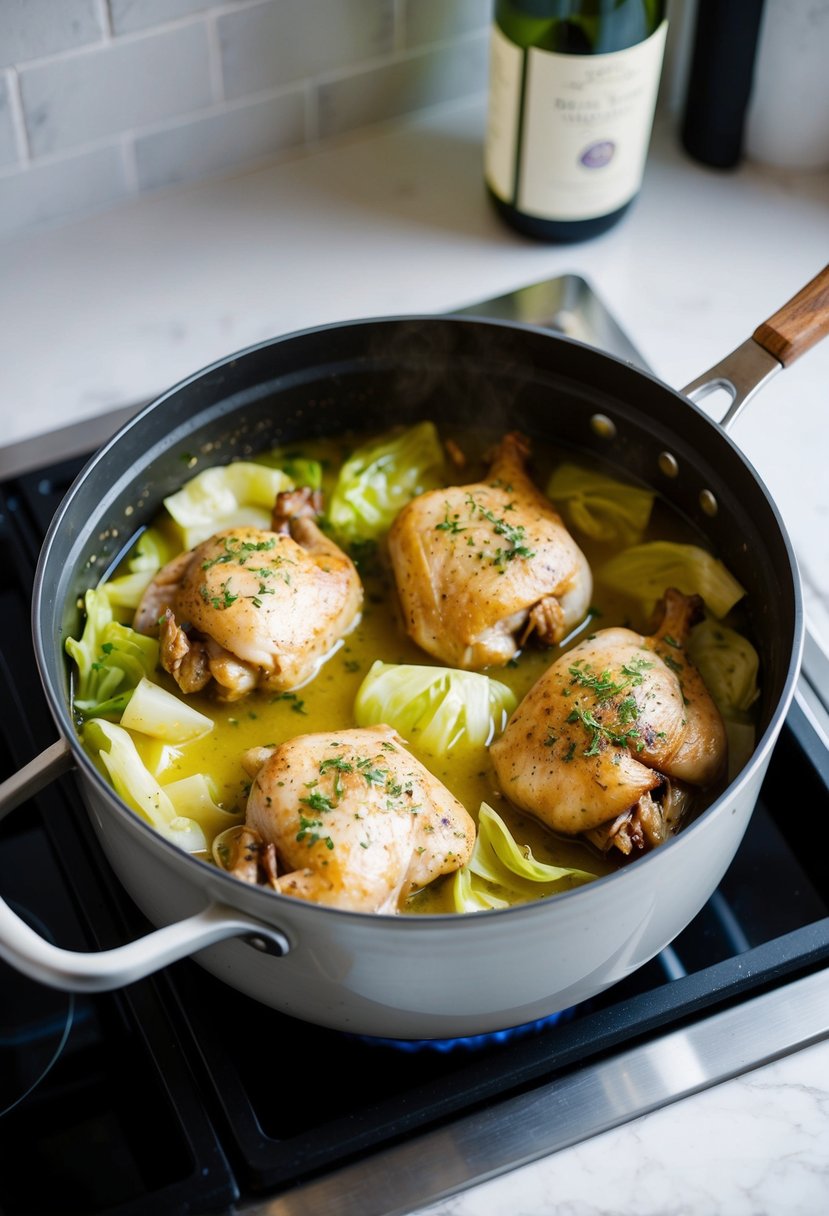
(472, 1042)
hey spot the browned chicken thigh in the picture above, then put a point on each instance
(616, 736)
(252, 608)
(480, 567)
(350, 818)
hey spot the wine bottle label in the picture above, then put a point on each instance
(567, 135)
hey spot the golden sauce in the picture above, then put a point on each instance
(327, 701)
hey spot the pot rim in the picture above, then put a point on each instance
(271, 901)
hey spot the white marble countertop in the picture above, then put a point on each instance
(110, 310)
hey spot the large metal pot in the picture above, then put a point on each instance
(419, 976)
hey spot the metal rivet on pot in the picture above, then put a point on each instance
(603, 426)
(708, 502)
(668, 464)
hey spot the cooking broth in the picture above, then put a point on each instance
(326, 702)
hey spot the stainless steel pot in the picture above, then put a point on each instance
(419, 976)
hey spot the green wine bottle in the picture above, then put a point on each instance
(572, 93)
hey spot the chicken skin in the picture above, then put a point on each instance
(479, 568)
(617, 736)
(351, 819)
(250, 608)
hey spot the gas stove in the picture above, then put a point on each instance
(179, 1095)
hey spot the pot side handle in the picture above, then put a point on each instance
(105, 970)
(775, 344)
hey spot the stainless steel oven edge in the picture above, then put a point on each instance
(568, 1110)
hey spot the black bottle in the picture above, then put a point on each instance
(719, 80)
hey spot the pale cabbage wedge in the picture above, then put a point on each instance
(643, 572)
(153, 710)
(600, 506)
(379, 479)
(137, 786)
(111, 659)
(194, 797)
(157, 754)
(434, 708)
(238, 494)
(150, 552)
(500, 872)
(728, 664)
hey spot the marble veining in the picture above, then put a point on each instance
(753, 1146)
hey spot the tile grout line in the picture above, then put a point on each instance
(214, 60)
(106, 20)
(18, 117)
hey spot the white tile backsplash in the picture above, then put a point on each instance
(30, 29)
(268, 45)
(102, 99)
(129, 84)
(62, 188)
(211, 145)
(398, 88)
(437, 20)
(130, 15)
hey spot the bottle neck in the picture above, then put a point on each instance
(579, 27)
(564, 9)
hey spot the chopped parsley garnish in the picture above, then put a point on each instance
(307, 832)
(449, 525)
(373, 776)
(336, 762)
(297, 705)
(513, 534)
(224, 600)
(598, 731)
(318, 802)
(240, 551)
(634, 670)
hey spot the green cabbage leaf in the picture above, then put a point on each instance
(150, 552)
(434, 708)
(234, 495)
(381, 477)
(111, 659)
(302, 470)
(728, 663)
(500, 872)
(600, 506)
(139, 789)
(644, 572)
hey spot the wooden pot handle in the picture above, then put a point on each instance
(799, 324)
